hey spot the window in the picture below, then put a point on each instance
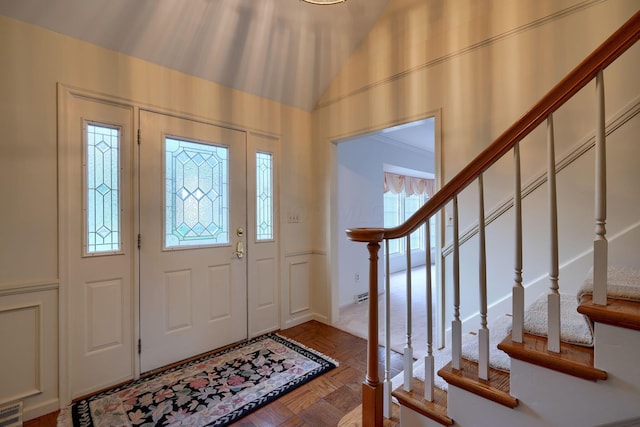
(264, 196)
(196, 194)
(398, 207)
(102, 189)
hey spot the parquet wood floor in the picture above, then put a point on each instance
(321, 402)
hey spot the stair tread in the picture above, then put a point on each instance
(572, 359)
(436, 410)
(622, 313)
(496, 388)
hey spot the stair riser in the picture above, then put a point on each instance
(410, 418)
(583, 402)
(617, 351)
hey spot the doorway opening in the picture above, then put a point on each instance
(409, 153)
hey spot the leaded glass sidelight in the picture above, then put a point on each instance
(102, 189)
(264, 196)
(196, 194)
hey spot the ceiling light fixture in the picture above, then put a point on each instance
(324, 2)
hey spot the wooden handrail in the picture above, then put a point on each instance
(579, 77)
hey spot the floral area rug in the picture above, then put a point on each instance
(212, 391)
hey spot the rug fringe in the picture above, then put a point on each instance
(309, 349)
(64, 417)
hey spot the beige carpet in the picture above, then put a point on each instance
(576, 328)
(354, 318)
(622, 283)
(498, 359)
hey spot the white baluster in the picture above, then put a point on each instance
(483, 333)
(408, 349)
(518, 289)
(456, 324)
(428, 358)
(600, 244)
(387, 334)
(553, 299)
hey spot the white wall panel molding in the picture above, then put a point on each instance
(304, 290)
(29, 351)
(28, 287)
(299, 294)
(305, 252)
(21, 369)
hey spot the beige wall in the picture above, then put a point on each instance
(34, 62)
(415, 61)
(482, 65)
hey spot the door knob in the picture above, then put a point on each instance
(239, 249)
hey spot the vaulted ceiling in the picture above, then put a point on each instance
(284, 50)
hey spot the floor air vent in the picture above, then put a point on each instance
(11, 415)
(361, 297)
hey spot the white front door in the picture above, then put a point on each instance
(193, 220)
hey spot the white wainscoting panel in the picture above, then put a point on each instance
(21, 355)
(29, 349)
(299, 286)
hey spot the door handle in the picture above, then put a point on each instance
(239, 252)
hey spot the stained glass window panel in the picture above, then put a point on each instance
(102, 174)
(196, 194)
(264, 196)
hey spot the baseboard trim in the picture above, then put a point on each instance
(34, 411)
(298, 320)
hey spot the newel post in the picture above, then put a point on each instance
(372, 388)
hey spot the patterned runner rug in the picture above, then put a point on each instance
(212, 391)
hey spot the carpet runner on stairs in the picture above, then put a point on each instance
(575, 329)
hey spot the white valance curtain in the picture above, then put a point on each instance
(409, 184)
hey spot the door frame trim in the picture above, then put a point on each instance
(64, 93)
(333, 141)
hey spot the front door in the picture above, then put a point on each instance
(193, 274)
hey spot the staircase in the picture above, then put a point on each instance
(551, 382)
(590, 386)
